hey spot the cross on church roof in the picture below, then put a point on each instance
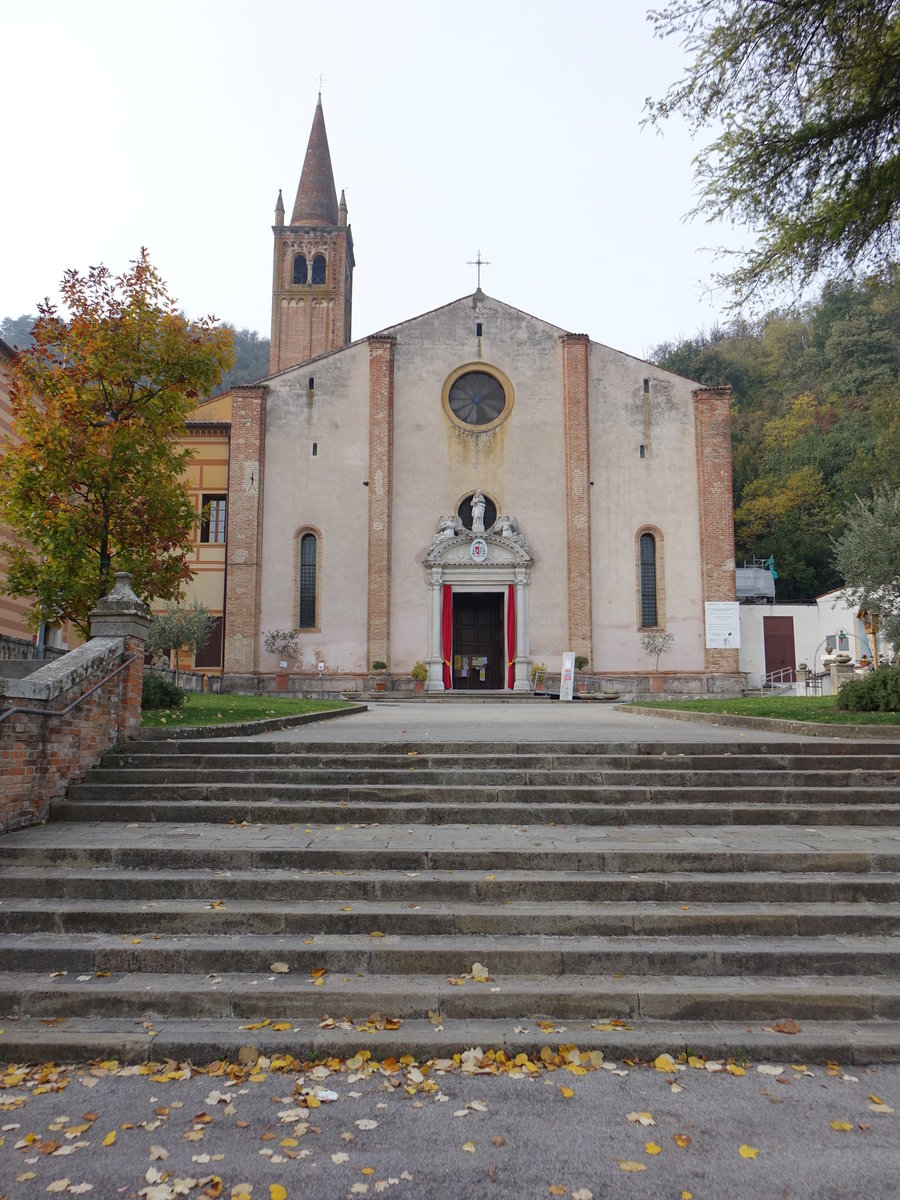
(321, 79)
(478, 262)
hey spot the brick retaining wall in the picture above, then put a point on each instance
(50, 736)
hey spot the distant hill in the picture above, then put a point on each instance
(251, 351)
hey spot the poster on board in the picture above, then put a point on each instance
(567, 676)
(723, 625)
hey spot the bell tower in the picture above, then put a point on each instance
(312, 276)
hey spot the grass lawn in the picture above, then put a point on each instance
(199, 709)
(787, 708)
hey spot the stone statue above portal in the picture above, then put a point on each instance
(478, 513)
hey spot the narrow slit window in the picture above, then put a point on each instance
(648, 581)
(642, 451)
(308, 562)
(315, 449)
(318, 269)
(478, 329)
(301, 272)
(646, 387)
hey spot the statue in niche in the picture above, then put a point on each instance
(478, 513)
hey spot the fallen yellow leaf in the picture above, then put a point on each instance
(376, 933)
(641, 1118)
(682, 1140)
(567, 1092)
(626, 1165)
(664, 1062)
(687, 1196)
(556, 1189)
(746, 1151)
(652, 1148)
(109, 1139)
(281, 1026)
(841, 1126)
(277, 1192)
(469, 1147)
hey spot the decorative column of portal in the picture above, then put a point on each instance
(576, 427)
(435, 660)
(523, 635)
(245, 512)
(712, 430)
(381, 455)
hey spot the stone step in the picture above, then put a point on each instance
(454, 954)
(292, 772)
(412, 792)
(574, 848)
(268, 812)
(179, 743)
(201, 1041)
(563, 998)
(278, 885)
(699, 892)
(568, 918)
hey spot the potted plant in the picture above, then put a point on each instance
(282, 642)
(419, 674)
(581, 661)
(379, 666)
(538, 675)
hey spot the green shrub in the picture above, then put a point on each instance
(876, 692)
(157, 692)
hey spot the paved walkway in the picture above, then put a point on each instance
(397, 721)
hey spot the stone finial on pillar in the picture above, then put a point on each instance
(121, 613)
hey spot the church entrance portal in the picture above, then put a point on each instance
(478, 657)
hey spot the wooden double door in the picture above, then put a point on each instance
(478, 649)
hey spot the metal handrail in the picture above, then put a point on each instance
(62, 712)
(781, 676)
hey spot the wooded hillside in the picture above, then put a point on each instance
(815, 421)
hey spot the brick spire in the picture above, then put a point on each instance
(316, 202)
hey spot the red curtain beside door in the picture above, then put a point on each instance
(511, 636)
(447, 634)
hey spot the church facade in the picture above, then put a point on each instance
(474, 487)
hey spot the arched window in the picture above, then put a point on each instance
(301, 273)
(309, 553)
(649, 612)
(318, 269)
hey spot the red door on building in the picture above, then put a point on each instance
(778, 642)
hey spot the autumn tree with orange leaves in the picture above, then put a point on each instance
(91, 482)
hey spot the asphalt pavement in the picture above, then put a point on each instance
(806, 1133)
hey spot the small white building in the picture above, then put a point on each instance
(777, 638)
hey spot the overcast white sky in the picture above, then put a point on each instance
(512, 126)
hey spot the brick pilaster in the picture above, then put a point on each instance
(576, 428)
(246, 471)
(381, 457)
(712, 430)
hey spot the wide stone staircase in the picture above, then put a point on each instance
(739, 899)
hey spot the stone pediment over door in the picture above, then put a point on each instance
(463, 560)
(457, 551)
